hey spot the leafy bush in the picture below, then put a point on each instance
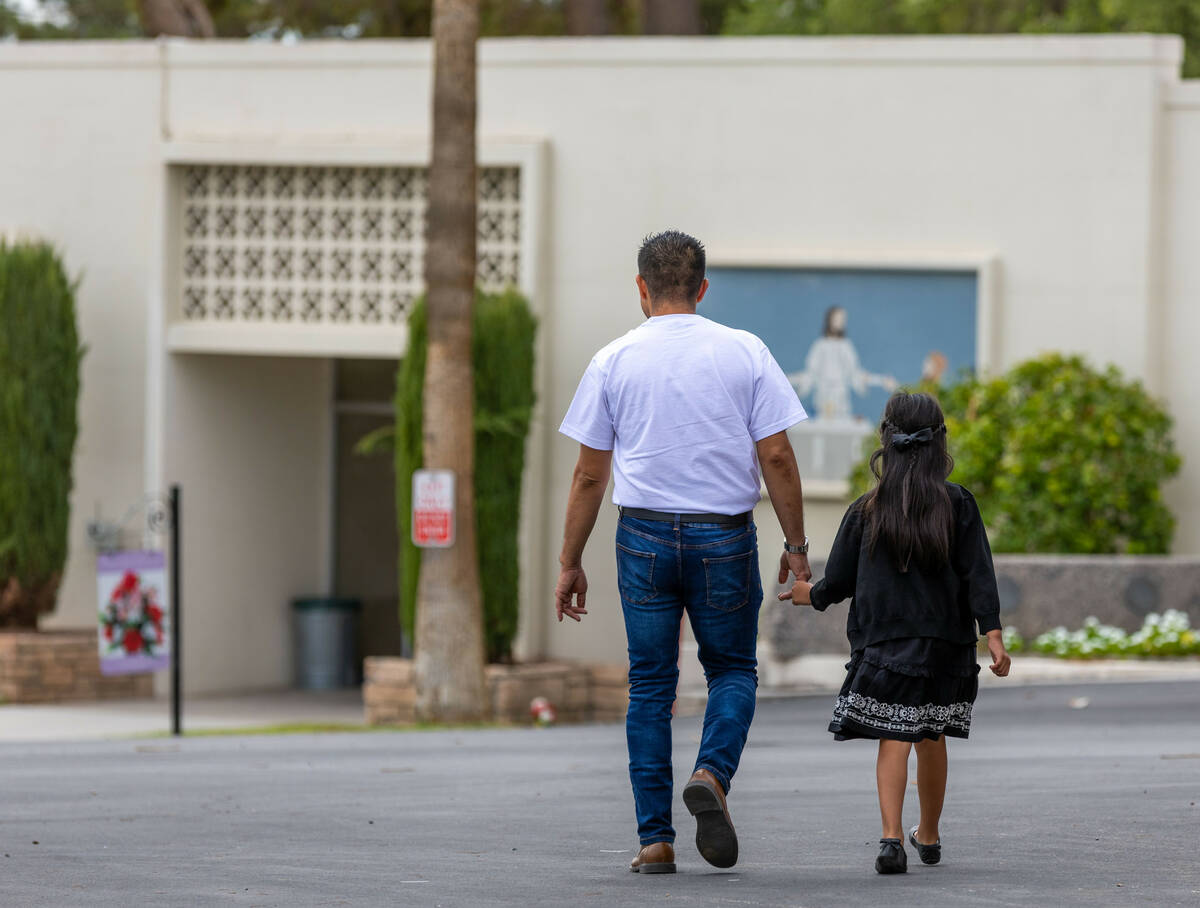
(1062, 458)
(502, 352)
(920, 17)
(1169, 634)
(39, 388)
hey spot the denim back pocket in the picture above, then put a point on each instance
(728, 580)
(635, 575)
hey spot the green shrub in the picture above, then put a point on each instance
(502, 353)
(1062, 458)
(39, 388)
(1169, 634)
(410, 411)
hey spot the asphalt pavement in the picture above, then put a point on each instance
(1065, 795)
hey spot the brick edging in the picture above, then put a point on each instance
(579, 692)
(57, 666)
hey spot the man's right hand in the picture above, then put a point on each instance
(794, 564)
(572, 585)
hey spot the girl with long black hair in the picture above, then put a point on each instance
(914, 560)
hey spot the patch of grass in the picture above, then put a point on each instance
(317, 728)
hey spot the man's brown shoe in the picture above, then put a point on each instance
(656, 858)
(715, 838)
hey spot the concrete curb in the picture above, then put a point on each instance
(802, 676)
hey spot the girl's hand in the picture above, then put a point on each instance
(798, 594)
(1000, 659)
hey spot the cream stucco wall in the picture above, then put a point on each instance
(1068, 162)
(850, 150)
(1181, 299)
(78, 145)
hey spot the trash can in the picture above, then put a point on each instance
(325, 630)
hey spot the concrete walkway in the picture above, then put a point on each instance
(133, 718)
(1048, 805)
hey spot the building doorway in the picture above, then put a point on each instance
(366, 539)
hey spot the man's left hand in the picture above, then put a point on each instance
(572, 585)
(797, 565)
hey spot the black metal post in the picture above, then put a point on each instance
(176, 686)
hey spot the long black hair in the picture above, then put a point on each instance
(909, 509)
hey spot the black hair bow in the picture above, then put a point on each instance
(902, 442)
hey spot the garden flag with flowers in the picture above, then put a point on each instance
(133, 612)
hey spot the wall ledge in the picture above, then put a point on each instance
(903, 50)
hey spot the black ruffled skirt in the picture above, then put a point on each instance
(910, 689)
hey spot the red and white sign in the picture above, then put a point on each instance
(433, 509)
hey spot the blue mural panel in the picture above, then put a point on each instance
(846, 338)
(897, 322)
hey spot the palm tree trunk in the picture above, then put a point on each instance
(449, 647)
(588, 17)
(186, 18)
(671, 17)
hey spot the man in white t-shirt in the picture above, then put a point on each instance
(684, 412)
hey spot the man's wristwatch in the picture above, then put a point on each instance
(796, 549)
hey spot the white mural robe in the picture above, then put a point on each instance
(832, 369)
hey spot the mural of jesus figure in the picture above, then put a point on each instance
(832, 370)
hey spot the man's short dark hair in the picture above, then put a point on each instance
(672, 265)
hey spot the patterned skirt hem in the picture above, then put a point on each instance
(856, 716)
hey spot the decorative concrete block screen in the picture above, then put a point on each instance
(340, 245)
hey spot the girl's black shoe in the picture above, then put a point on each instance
(892, 857)
(929, 854)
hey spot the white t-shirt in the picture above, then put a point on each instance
(680, 401)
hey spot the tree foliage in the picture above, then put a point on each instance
(299, 18)
(336, 18)
(1062, 458)
(411, 18)
(85, 20)
(503, 353)
(39, 387)
(932, 17)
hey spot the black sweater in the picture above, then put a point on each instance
(888, 604)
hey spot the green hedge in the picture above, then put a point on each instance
(39, 389)
(502, 351)
(1062, 458)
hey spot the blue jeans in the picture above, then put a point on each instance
(710, 572)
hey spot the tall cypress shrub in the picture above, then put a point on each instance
(502, 351)
(39, 389)
(410, 413)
